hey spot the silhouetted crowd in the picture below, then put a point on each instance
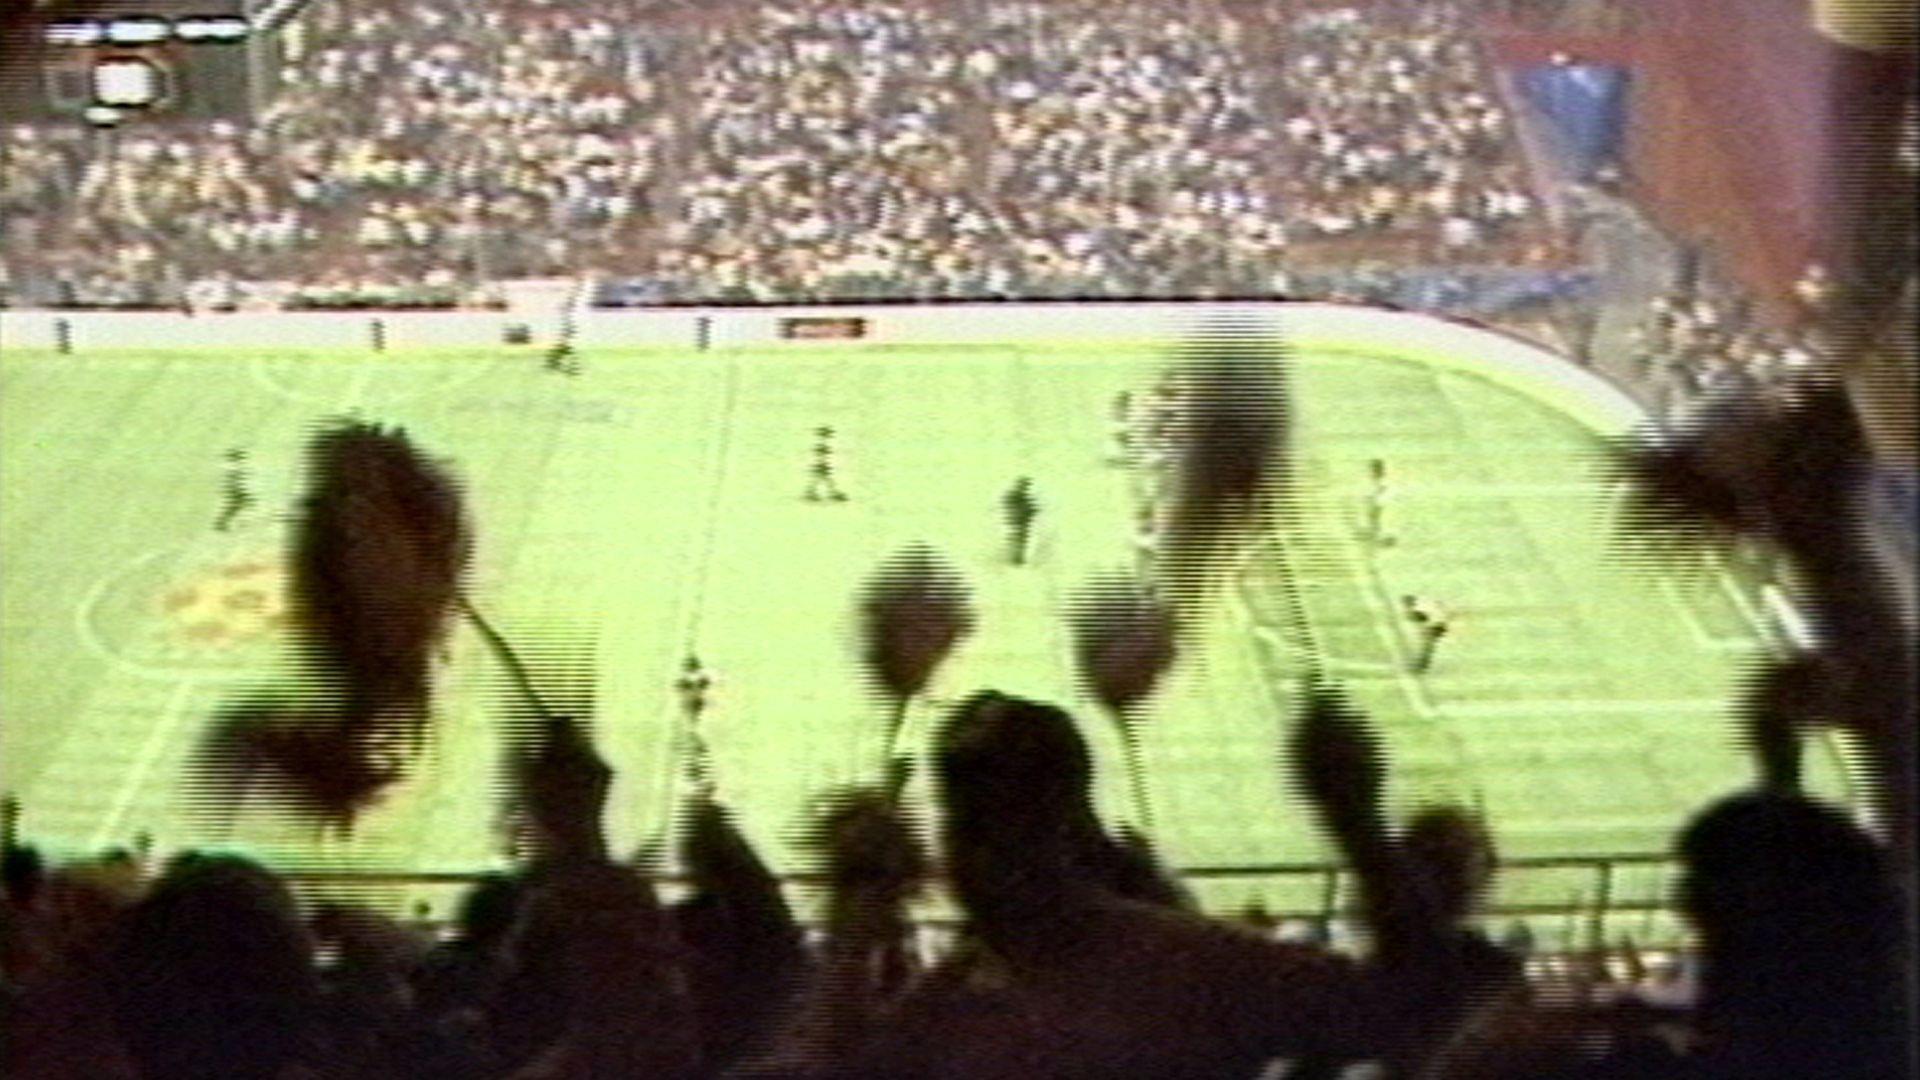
(794, 149)
(1080, 955)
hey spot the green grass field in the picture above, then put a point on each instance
(654, 505)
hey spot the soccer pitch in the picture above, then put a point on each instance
(653, 506)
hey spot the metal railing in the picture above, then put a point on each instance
(1571, 903)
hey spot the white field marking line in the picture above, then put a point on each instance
(258, 370)
(1019, 366)
(1239, 608)
(1612, 503)
(158, 736)
(1849, 760)
(83, 629)
(1316, 651)
(1578, 707)
(1444, 487)
(720, 457)
(692, 602)
(1366, 576)
(1698, 632)
(1723, 577)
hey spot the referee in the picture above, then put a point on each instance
(1021, 508)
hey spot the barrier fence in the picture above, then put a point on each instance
(1567, 904)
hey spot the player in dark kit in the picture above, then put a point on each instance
(234, 495)
(1431, 622)
(1374, 511)
(560, 357)
(821, 484)
(1021, 509)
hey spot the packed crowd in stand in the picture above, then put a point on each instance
(795, 149)
(826, 148)
(1398, 131)
(1699, 343)
(415, 146)
(1703, 337)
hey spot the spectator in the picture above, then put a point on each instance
(213, 976)
(802, 148)
(1798, 917)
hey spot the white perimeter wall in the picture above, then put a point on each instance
(1312, 327)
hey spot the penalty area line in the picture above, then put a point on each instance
(1578, 707)
(157, 738)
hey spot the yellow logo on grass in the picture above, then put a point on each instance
(228, 605)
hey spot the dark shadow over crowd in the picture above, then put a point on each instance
(1081, 956)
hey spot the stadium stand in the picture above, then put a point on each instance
(796, 151)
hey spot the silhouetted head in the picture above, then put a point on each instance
(1007, 760)
(1452, 852)
(488, 909)
(1014, 779)
(23, 873)
(867, 845)
(213, 973)
(1377, 468)
(1771, 867)
(1798, 917)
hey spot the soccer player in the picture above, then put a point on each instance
(1431, 622)
(821, 485)
(693, 685)
(234, 495)
(561, 356)
(558, 358)
(1373, 531)
(1021, 509)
